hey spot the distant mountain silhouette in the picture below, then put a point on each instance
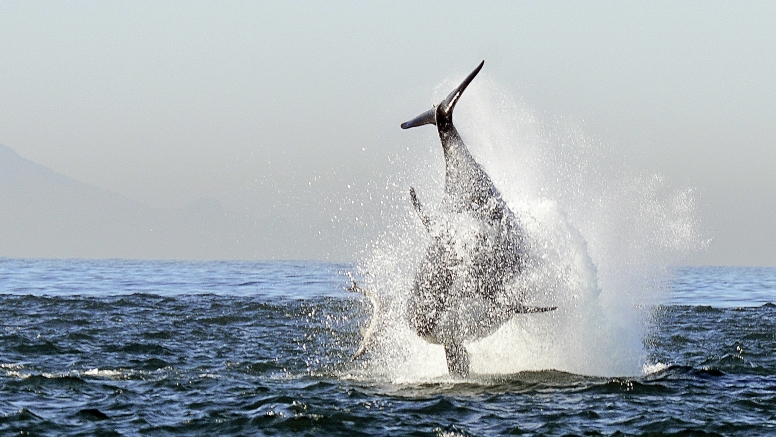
(46, 214)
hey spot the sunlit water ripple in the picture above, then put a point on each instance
(245, 348)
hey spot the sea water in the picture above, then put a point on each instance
(114, 347)
(637, 346)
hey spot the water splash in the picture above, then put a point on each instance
(601, 238)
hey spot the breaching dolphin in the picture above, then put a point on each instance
(477, 248)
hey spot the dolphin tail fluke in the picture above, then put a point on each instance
(457, 360)
(445, 109)
(448, 104)
(427, 117)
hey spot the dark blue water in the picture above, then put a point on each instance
(249, 348)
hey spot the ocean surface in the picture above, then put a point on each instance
(114, 347)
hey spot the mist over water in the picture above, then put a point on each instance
(601, 237)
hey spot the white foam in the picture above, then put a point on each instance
(11, 366)
(650, 369)
(104, 373)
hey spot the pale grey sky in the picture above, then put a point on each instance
(275, 108)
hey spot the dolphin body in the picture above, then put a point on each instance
(477, 247)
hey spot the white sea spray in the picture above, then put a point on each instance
(601, 238)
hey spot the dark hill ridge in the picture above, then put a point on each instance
(46, 214)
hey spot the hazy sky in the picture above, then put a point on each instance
(269, 107)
